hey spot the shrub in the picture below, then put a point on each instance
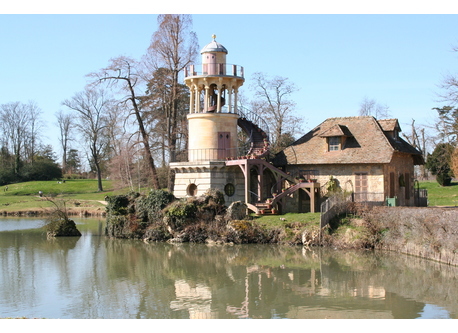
(61, 227)
(149, 208)
(179, 214)
(7, 176)
(443, 179)
(117, 205)
(42, 169)
(58, 223)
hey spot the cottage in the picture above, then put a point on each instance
(360, 155)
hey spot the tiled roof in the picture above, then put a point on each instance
(389, 125)
(365, 142)
(336, 130)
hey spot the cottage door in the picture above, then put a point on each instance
(361, 186)
(224, 144)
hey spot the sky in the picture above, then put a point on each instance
(336, 60)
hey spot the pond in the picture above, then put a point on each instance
(93, 276)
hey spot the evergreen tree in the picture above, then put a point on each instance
(439, 163)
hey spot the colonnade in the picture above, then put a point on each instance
(200, 97)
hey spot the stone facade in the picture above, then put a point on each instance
(369, 159)
(193, 179)
(378, 176)
(400, 179)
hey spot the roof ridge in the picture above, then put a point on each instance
(350, 117)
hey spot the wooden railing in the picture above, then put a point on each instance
(333, 206)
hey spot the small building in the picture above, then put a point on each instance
(362, 155)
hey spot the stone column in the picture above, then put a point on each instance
(235, 100)
(207, 88)
(191, 100)
(197, 100)
(229, 102)
(218, 102)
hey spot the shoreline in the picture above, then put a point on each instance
(39, 212)
(426, 232)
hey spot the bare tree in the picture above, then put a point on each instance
(17, 124)
(35, 125)
(121, 165)
(273, 102)
(65, 122)
(173, 47)
(123, 71)
(417, 139)
(116, 130)
(449, 87)
(91, 108)
(158, 102)
(370, 107)
(122, 150)
(446, 125)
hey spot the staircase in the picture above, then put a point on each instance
(259, 142)
(257, 131)
(265, 208)
(268, 208)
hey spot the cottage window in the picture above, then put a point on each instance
(334, 143)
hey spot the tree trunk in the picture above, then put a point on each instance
(145, 140)
(97, 168)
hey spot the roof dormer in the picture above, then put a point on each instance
(336, 137)
(390, 127)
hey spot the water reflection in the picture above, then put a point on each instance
(95, 277)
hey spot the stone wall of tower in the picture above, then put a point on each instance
(204, 136)
(208, 175)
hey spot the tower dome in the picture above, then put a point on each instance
(214, 46)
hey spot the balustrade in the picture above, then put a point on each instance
(214, 69)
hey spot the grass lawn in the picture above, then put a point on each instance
(289, 218)
(290, 221)
(81, 193)
(441, 195)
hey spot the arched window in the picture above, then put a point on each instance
(192, 190)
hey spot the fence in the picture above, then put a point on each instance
(214, 69)
(339, 204)
(369, 197)
(332, 207)
(421, 197)
(208, 154)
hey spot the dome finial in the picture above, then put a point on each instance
(214, 37)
